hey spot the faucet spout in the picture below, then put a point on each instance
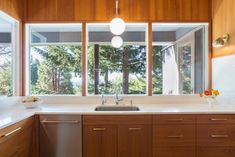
(116, 96)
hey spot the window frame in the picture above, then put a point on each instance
(206, 75)
(29, 44)
(145, 24)
(149, 45)
(15, 44)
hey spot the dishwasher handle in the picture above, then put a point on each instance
(60, 121)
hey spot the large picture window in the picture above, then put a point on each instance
(180, 54)
(179, 59)
(122, 69)
(9, 67)
(55, 54)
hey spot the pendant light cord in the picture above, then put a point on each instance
(117, 5)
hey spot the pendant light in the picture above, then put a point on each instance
(117, 41)
(117, 25)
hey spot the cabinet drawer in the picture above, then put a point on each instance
(215, 151)
(216, 135)
(122, 119)
(175, 152)
(174, 119)
(215, 119)
(174, 135)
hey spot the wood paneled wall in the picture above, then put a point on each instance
(130, 10)
(223, 18)
(15, 8)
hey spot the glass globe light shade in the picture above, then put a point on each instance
(117, 26)
(117, 42)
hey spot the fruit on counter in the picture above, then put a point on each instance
(28, 99)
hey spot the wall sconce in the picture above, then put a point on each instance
(220, 42)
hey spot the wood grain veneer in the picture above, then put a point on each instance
(223, 17)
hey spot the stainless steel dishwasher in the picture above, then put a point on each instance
(60, 136)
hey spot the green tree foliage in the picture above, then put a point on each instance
(127, 61)
(59, 64)
(157, 69)
(5, 81)
(5, 70)
(185, 69)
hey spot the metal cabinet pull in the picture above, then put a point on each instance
(176, 136)
(14, 153)
(219, 136)
(174, 120)
(64, 122)
(99, 129)
(12, 132)
(134, 129)
(219, 119)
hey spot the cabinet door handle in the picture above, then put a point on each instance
(12, 132)
(219, 119)
(176, 136)
(99, 129)
(219, 136)
(14, 153)
(64, 122)
(175, 120)
(134, 129)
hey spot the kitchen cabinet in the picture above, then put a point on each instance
(17, 140)
(100, 141)
(117, 136)
(174, 136)
(60, 136)
(134, 140)
(215, 135)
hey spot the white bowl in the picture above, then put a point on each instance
(31, 105)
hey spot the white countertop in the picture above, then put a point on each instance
(16, 113)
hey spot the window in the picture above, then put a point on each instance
(122, 69)
(179, 58)
(55, 53)
(8, 55)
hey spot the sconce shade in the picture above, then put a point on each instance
(220, 42)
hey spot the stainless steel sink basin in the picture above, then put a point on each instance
(117, 108)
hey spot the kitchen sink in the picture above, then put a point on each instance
(117, 108)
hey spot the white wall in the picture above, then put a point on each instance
(224, 77)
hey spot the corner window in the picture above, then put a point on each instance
(9, 68)
(122, 69)
(180, 57)
(54, 59)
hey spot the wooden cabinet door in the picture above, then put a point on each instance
(17, 140)
(99, 141)
(134, 140)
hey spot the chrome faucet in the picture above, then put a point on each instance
(103, 101)
(116, 96)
